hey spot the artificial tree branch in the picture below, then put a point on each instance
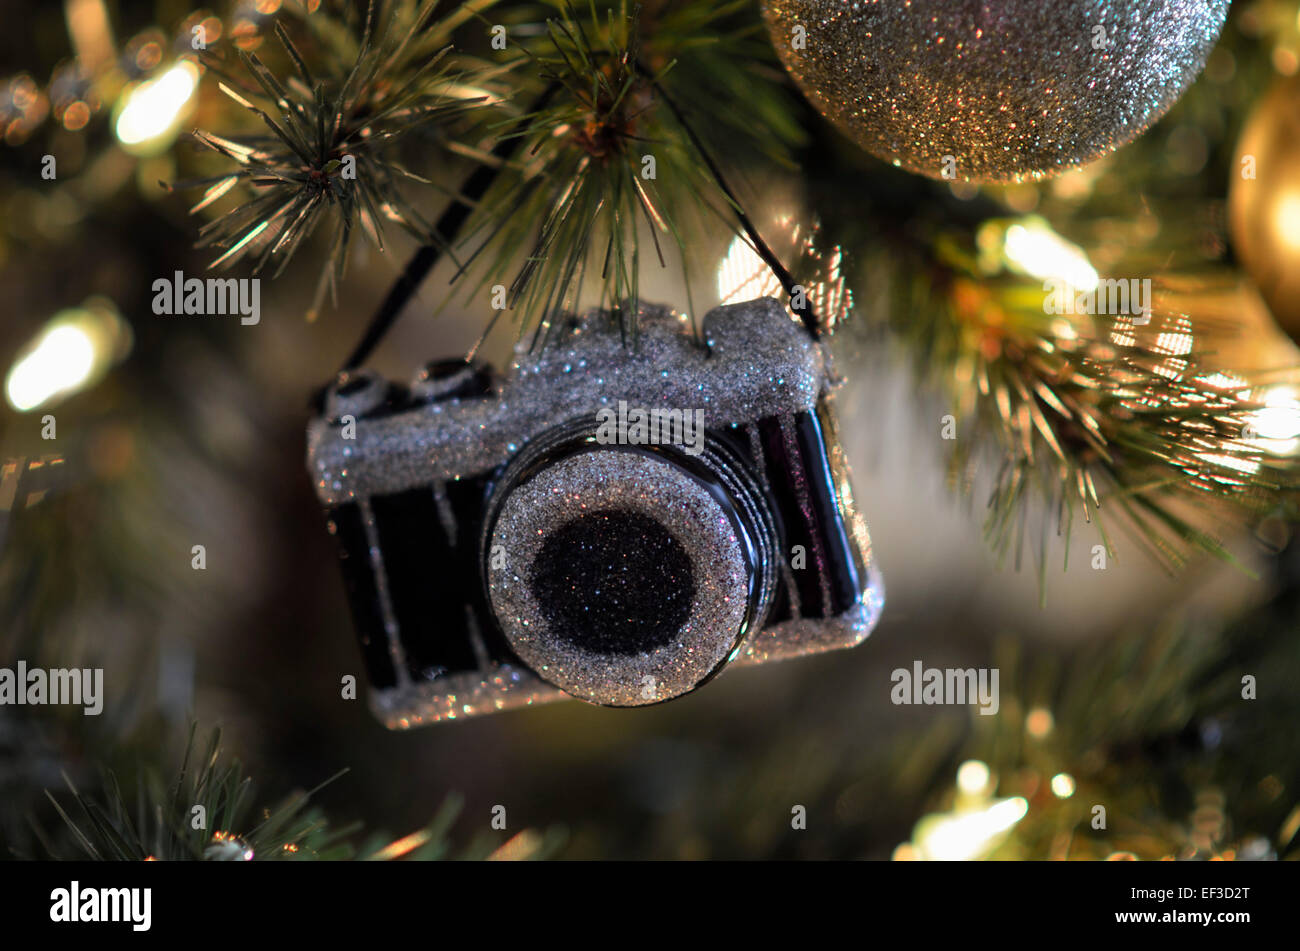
(445, 230)
(799, 303)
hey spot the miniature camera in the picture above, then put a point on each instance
(623, 515)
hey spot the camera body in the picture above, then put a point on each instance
(616, 520)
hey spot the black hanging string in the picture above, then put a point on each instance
(445, 231)
(477, 185)
(799, 302)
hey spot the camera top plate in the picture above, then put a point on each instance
(755, 361)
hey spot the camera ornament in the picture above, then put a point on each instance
(608, 521)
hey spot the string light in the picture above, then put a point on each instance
(960, 837)
(402, 846)
(973, 777)
(976, 825)
(1030, 246)
(1039, 723)
(1035, 249)
(1063, 785)
(72, 352)
(154, 109)
(227, 847)
(520, 847)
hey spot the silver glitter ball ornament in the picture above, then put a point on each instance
(998, 90)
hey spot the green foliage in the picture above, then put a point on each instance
(330, 153)
(159, 822)
(604, 162)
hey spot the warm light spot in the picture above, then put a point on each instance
(1245, 466)
(1174, 344)
(1039, 723)
(148, 55)
(1286, 219)
(973, 777)
(1063, 785)
(76, 116)
(154, 108)
(965, 836)
(1224, 381)
(1275, 427)
(742, 275)
(520, 847)
(72, 351)
(226, 843)
(1033, 248)
(1122, 335)
(91, 32)
(400, 847)
(60, 363)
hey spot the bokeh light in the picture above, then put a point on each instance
(72, 351)
(155, 108)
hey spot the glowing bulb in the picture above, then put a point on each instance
(71, 352)
(967, 836)
(1063, 785)
(153, 109)
(972, 777)
(61, 362)
(1033, 248)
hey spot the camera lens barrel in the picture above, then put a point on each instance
(627, 575)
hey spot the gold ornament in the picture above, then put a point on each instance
(1264, 201)
(977, 91)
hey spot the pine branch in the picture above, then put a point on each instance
(1098, 416)
(608, 160)
(334, 128)
(206, 814)
(198, 817)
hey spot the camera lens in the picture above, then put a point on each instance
(626, 575)
(589, 579)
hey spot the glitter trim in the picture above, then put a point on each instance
(758, 362)
(635, 482)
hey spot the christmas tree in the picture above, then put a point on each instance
(1042, 254)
